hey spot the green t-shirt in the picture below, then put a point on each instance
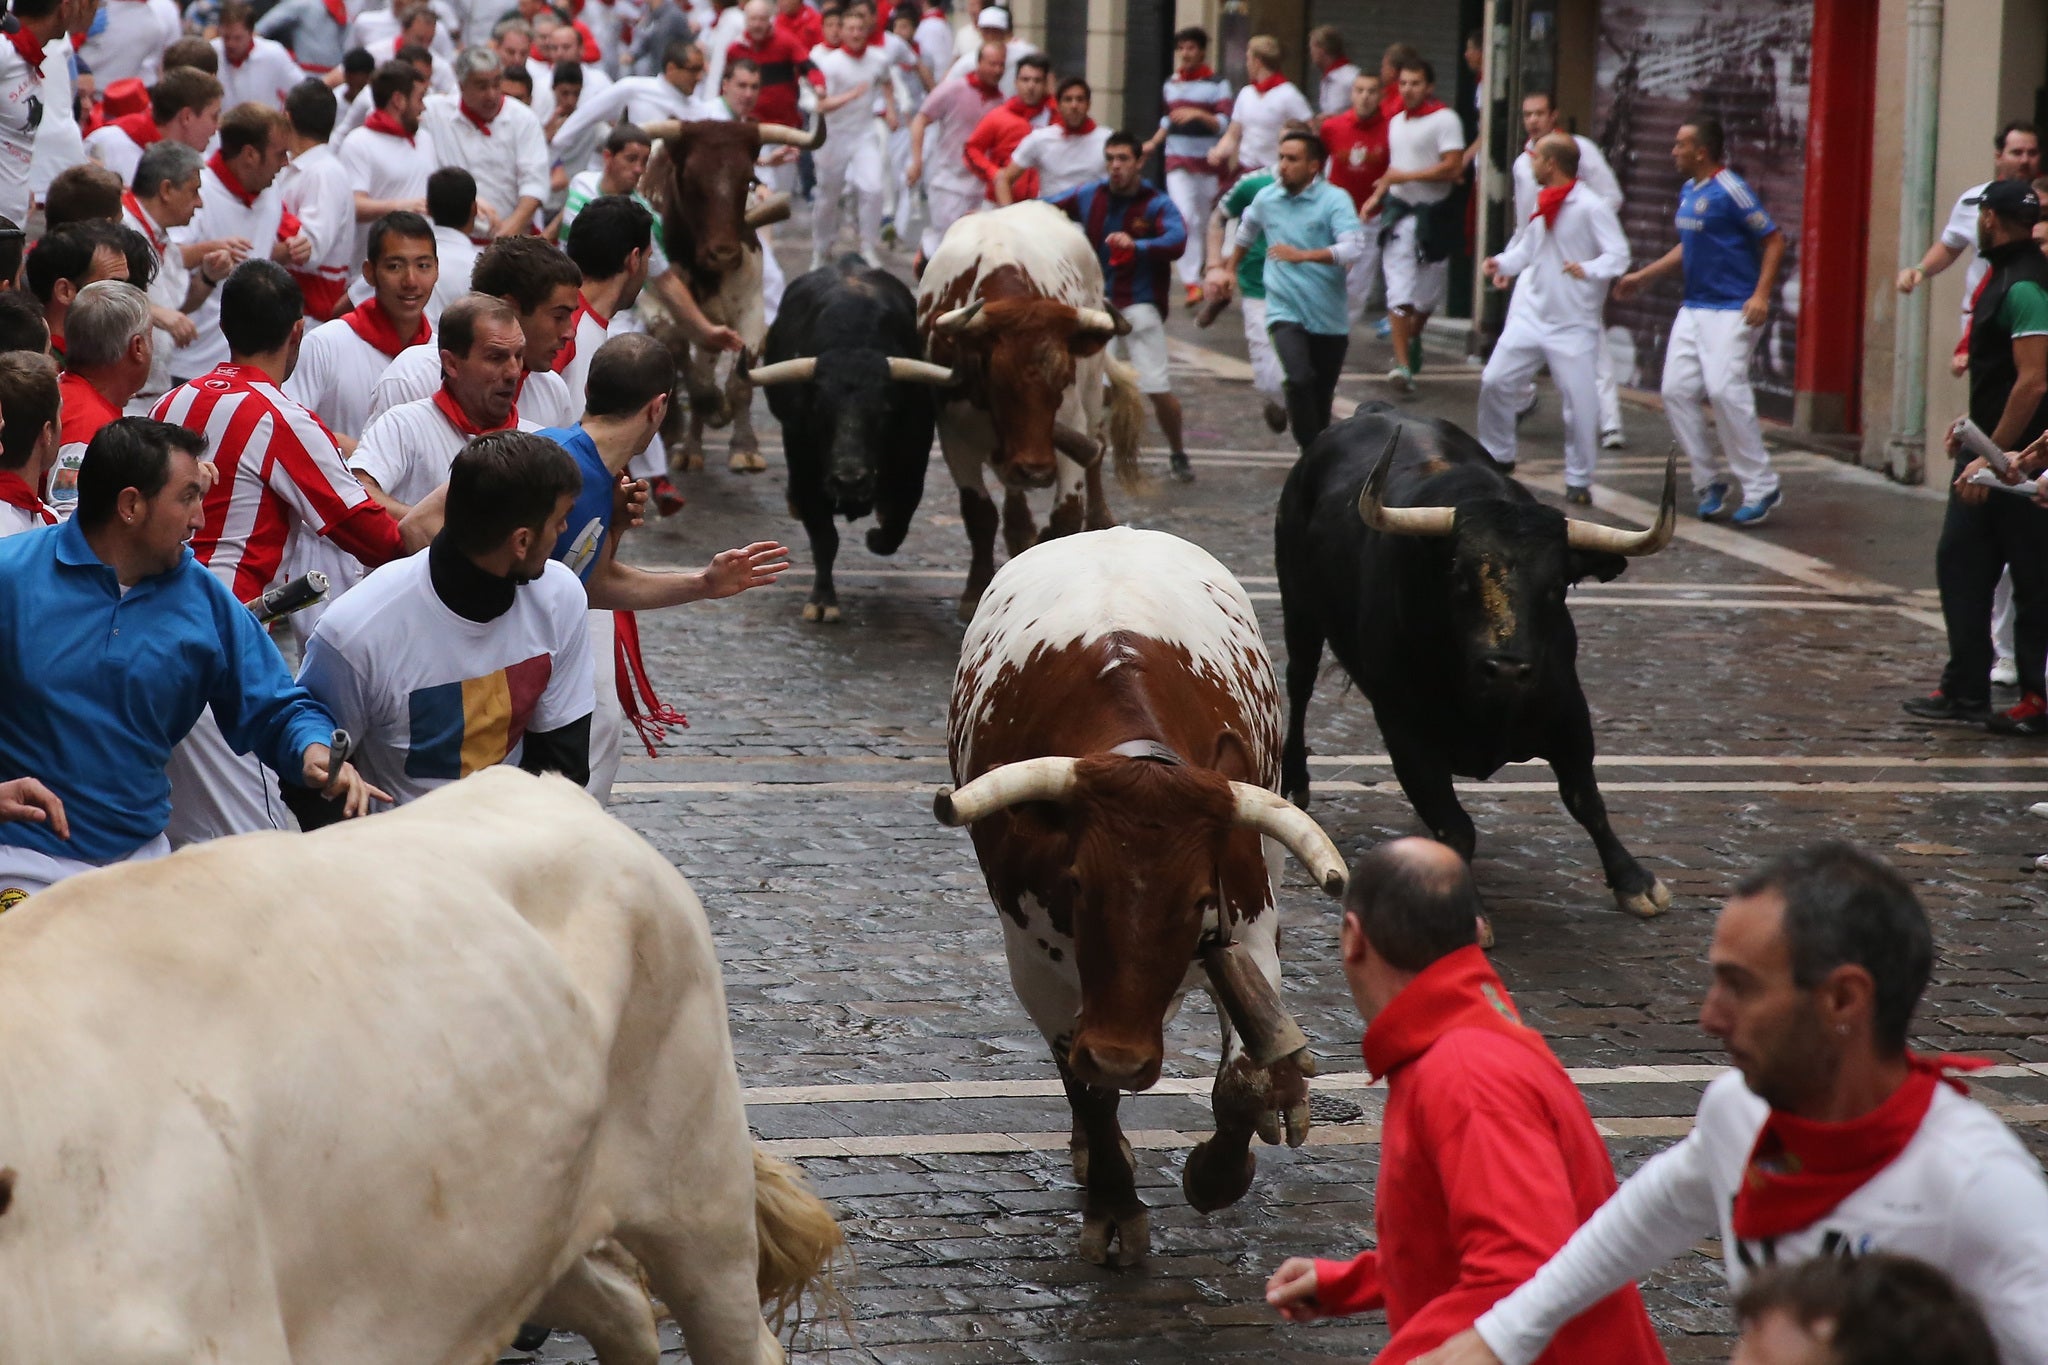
(2025, 310)
(1251, 271)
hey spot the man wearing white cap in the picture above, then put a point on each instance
(994, 27)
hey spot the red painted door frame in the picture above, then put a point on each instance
(1834, 249)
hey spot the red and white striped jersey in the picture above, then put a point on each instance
(281, 475)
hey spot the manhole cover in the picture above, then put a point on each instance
(1330, 1109)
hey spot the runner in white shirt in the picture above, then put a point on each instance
(59, 141)
(451, 201)
(29, 401)
(856, 80)
(184, 107)
(938, 146)
(1066, 152)
(388, 161)
(613, 246)
(359, 104)
(498, 141)
(238, 201)
(934, 42)
(476, 652)
(640, 99)
(405, 454)
(1337, 71)
(1425, 159)
(252, 69)
(541, 286)
(418, 26)
(128, 39)
(316, 188)
(912, 78)
(1266, 104)
(1833, 1140)
(991, 26)
(165, 196)
(341, 361)
(22, 60)
(713, 41)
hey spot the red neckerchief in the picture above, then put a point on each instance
(149, 230)
(567, 355)
(1549, 200)
(288, 225)
(994, 92)
(1083, 131)
(29, 46)
(1458, 990)
(15, 492)
(1266, 85)
(369, 321)
(1027, 112)
(459, 419)
(337, 11)
(230, 60)
(382, 122)
(474, 121)
(1332, 64)
(1196, 73)
(219, 166)
(141, 128)
(1427, 107)
(651, 716)
(1799, 1169)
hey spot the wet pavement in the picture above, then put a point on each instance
(1745, 688)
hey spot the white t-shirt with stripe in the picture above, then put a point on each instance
(337, 369)
(543, 398)
(409, 449)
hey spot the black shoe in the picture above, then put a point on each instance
(1578, 497)
(1939, 705)
(1178, 464)
(1276, 417)
(2029, 717)
(532, 1336)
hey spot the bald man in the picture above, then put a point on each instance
(1488, 1158)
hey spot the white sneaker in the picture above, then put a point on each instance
(2005, 673)
(2041, 863)
(1612, 439)
(1402, 378)
(2039, 808)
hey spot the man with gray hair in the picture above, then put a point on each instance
(107, 358)
(165, 195)
(498, 141)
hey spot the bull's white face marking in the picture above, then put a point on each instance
(1078, 589)
(1044, 244)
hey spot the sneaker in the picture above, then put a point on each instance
(1194, 294)
(2041, 863)
(1177, 464)
(1939, 705)
(667, 500)
(1402, 378)
(2028, 717)
(1755, 513)
(1578, 497)
(872, 257)
(1714, 500)
(1383, 329)
(1612, 439)
(1276, 416)
(2005, 673)
(2040, 809)
(888, 232)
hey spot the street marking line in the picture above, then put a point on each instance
(1908, 762)
(1761, 787)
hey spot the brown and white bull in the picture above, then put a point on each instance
(1115, 734)
(700, 181)
(1012, 302)
(366, 1096)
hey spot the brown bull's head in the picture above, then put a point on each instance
(698, 184)
(1151, 857)
(1024, 349)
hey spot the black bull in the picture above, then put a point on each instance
(847, 379)
(1439, 583)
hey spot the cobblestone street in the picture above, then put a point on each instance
(1745, 688)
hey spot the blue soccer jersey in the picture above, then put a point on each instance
(1722, 225)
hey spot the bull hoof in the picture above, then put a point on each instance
(1217, 1177)
(828, 613)
(1116, 1239)
(746, 462)
(1647, 904)
(683, 460)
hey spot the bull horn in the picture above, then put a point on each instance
(1012, 784)
(797, 371)
(1399, 521)
(1076, 446)
(777, 135)
(772, 209)
(920, 372)
(1107, 320)
(960, 320)
(1281, 820)
(1587, 535)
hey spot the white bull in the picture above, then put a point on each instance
(365, 1095)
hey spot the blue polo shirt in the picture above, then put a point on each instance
(1722, 225)
(101, 684)
(590, 516)
(1307, 293)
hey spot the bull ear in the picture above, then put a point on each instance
(655, 180)
(1596, 564)
(1233, 757)
(1084, 344)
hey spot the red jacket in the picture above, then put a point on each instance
(805, 28)
(1358, 153)
(1488, 1164)
(782, 64)
(994, 141)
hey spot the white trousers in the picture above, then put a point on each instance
(1361, 275)
(216, 792)
(945, 205)
(906, 194)
(24, 872)
(1603, 378)
(1194, 194)
(1523, 346)
(1266, 376)
(1707, 361)
(608, 720)
(855, 166)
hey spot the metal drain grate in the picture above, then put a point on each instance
(1330, 1109)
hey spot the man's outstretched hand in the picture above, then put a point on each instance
(751, 566)
(1292, 1290)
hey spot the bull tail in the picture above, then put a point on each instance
(1126, 424)
(6, 1187)
(800, 1244)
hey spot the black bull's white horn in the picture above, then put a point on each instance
(1581, 535)
(1052, 779)
(803, 369)
(776, 135)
